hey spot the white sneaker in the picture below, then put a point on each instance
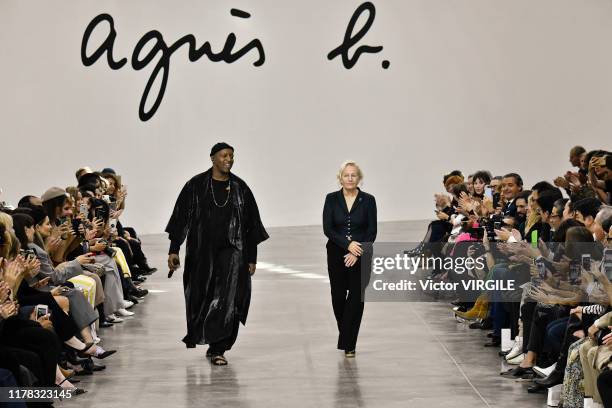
(588, 403)
(124, 313)
(114, 319)
(544, 372)
(517, 349)
(516, 360)
(127, 304)
(596, 405)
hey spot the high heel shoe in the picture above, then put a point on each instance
(75, 390)
(87, 347)
(67, 373)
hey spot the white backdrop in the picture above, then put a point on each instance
(504, 85)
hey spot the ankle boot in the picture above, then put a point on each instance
(417, 251)
(479, 311)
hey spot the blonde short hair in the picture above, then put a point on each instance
(343, 167)
(6, 249)
(6, 220)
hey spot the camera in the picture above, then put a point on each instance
(586, 262)
(490, 225)
(27, 253)
(574, 271)
(541, 269)
(108, 250)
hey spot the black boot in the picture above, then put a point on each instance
(495, 342)
(417, 251)
(102, 316)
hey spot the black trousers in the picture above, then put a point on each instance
(63, 324)
(347, 288)
(542, 315)
(36, 348)
(604, 386)
(221, 346)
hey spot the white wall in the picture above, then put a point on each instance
(504, 85)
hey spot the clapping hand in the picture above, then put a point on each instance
(5, 292)
(521, 259)
(53, 243)
(465, 202)
(31, 266)
(13, 271)
(8, 309)
(562, 182)
(97, 224)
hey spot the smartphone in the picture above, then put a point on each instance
(586, 262)
(574, 271)
(541, 269)
(607, 262)
(488, 193)
(497, 225)
(41, 310)
(84, 210)
(112, 224)
(106, 198)
(534, 239)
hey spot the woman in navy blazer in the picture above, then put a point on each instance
(349, 221)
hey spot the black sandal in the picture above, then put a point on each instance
(218, 360)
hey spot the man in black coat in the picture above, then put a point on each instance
(217, 214)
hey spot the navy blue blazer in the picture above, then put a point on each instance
(342, 226)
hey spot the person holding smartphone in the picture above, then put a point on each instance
(217, 214)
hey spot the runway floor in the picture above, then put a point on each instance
(408, 354)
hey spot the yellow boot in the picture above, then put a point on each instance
(478, 311)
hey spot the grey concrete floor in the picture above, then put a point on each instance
(408, 354)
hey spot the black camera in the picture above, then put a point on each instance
(489, 225)
(27, 253)
(108, 250)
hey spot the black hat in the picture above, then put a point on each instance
(88, 179)
(108, 170)
(220, 146)
(38, 214)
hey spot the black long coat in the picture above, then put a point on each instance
(212, 306)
